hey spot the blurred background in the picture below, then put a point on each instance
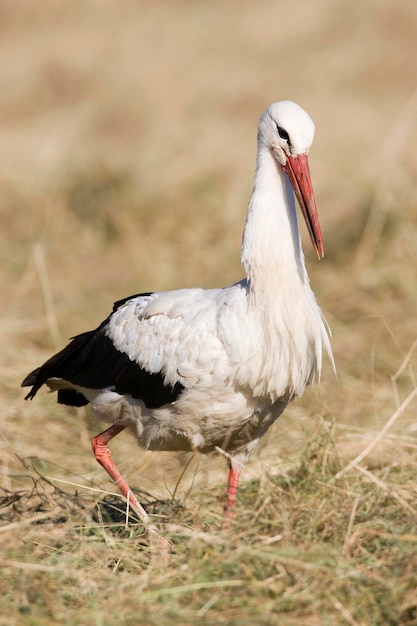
(127, 152)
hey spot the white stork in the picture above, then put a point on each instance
(207, 370)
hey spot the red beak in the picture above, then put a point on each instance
(299, 174)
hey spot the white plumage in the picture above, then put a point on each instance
(216, 367)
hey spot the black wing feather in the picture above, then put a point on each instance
(123, 301)
(91, 360)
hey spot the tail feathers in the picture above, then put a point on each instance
(71, 397)
(61, 365)
(30, 381)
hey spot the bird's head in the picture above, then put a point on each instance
(287, 131)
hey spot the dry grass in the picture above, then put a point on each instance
(127, 138)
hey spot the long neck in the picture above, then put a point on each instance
(271, 245)
(287, 334)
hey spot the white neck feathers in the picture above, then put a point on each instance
(271, 240)
(293, 332)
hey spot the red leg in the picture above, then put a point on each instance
(232, 485)
(103, 456)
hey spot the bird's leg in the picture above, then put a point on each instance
(103, 456)
(232, 485)
(235, 463)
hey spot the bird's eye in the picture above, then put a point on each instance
(283, 134)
